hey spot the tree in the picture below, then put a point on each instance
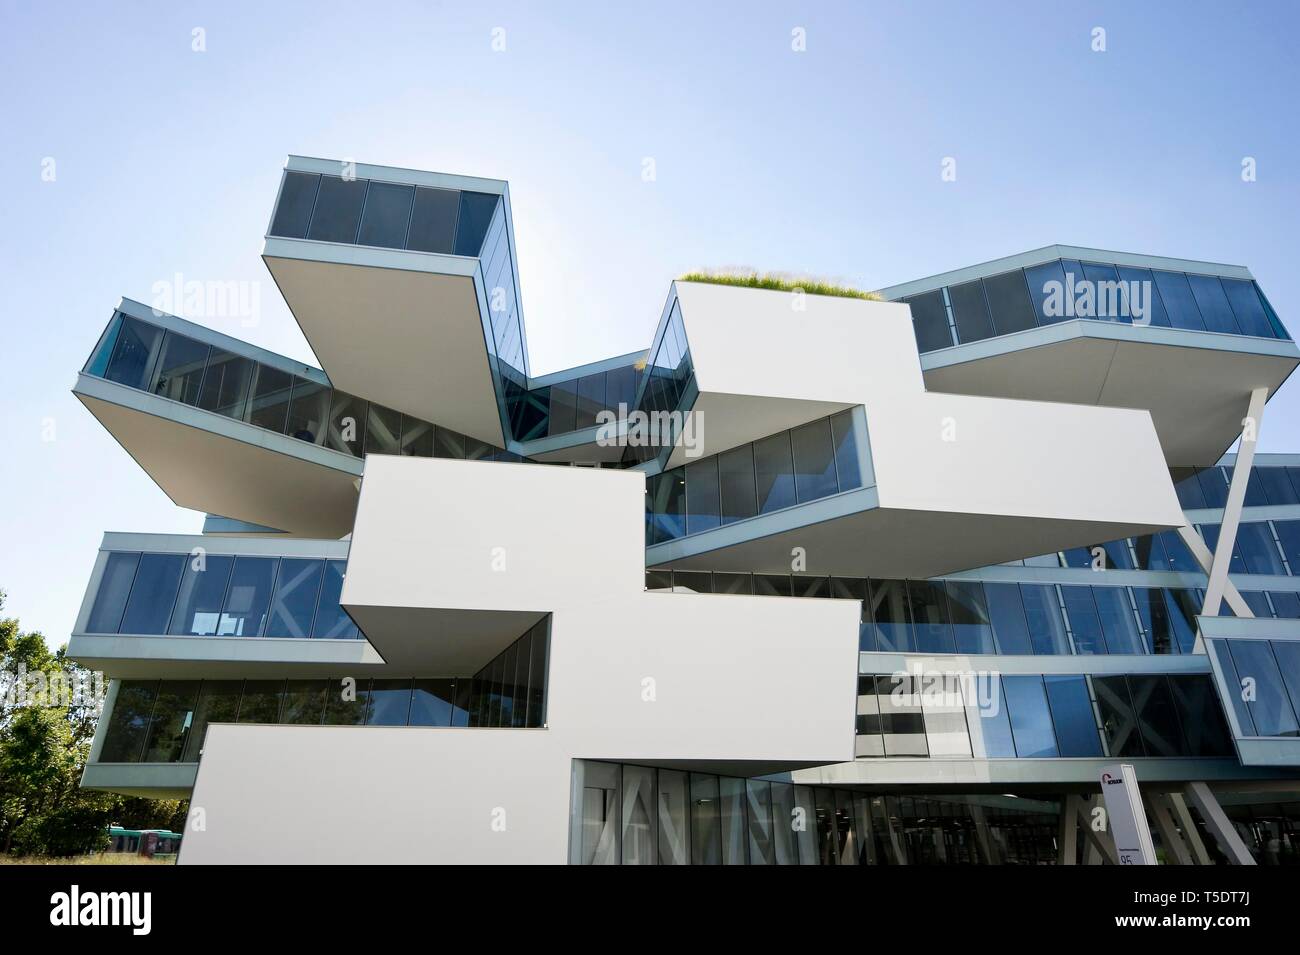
(49, 707)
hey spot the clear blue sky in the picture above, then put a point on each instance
(826, 161)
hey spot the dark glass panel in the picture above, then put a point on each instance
(1178, 300)
(1117, 620)
(659, 580)
(1288, 533)
(304, 702)
(1031, 720)
(620, 388)
(669, 505)
(218, 703)
(149, 609)
(338, 209)
(347, 424)
(732, 820)
(476, 210)
(1247, 308)
(1269, 706)
(1150, 553)
(1210, 533)
(1157, 718)
(388, 209)
(347, 701)
(1119, 726)
(1276, 485)
(1180, 558)
(1214, 486)
(564, 408)
(226, 384)
(448, 444)
(309, 409)
(1201, 715)
(706, 822)
(261, 701)
(702, 501)
(1287, 654)
(814, 461)
(758, 798)
(1158, 626)
(417, 437)
(294, 605)
(774, 473)
(268, 403)
(736, 476)
(1286, 606)
(1257, 549)
(848, 468)
(891, 615)
(293, 211)
(969, 614)
(1213, 304)
(202, 592)
(180, 369)
(388, 702)
(1007, 614)
(128, 724)
(930, 321)
(1076, 729)
(1255, 495)
(1188, 488)
(1009, 303)
(114, 588)
(724, 583)
(133, 354)
(1142, 298)
(931, 631)
(804, 586)
(673, 834)
(169, 726)
(433, 220)
(383, 430)
(433, 703)
(696, 581)
(590, 399)
(537, 675)
(970, 312)
(773, 585)
(855, 588)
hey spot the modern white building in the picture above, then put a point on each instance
(812, 579)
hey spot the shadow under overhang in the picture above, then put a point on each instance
(438, 642)
(210, 463)
(1195, 384)
(403, 329)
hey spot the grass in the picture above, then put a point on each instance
(94, 858)
(777, 282)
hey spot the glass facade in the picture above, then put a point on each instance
(572, 404)
(164, 721)
(147, 358)
(805, 464)
(1262, 684)
(667, 385)
(1036, 716)
(221, 596)
(1066, 289)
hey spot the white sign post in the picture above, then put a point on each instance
(1127, 820)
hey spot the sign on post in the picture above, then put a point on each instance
(1126, 817)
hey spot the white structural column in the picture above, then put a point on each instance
(1188, 825)
(1236, 497)
(1225, 834)
(1203, 557)
(1158, 806)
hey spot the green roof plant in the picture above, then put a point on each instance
(776, 282)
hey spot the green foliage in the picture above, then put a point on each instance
(777, 282)
(44, 746)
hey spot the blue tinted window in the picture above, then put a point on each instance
(1150, 553)
(1178, 299)
(1210, 533)
(1085, 625)
(1180, 558)
(1276, 485)
(248, 597)
(668, 505)
(1255, 494)
(1047, 291)
(114, 587)
(1288, 532)
(1285, 605)
(293, 211)
(1270, 708)
(1188, 488)
(390, 703)
(774, 473)
(1031, 720)
(1213, 304)
(814, 461)
(202, 591)
(1076, 729)
(736, 476)
(930, 629)
(1247, 308)
(1142, 299)
(1160, 628)
(338, 209)
(1214, 487)
(332, 621)
(433, 703)
(152, 595)
(702, 501)
(969, 614)
(294, 605)
(476, 209)
(133, 353)
(847, 466)
(1117, 620)
(1043, 614)
(1287, 653)
(971, 311)
(387, 211)
(1109, 302)
(890, 615)
(991, 731)
(1201, 715)
(1260, 554)
(1007, 614)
